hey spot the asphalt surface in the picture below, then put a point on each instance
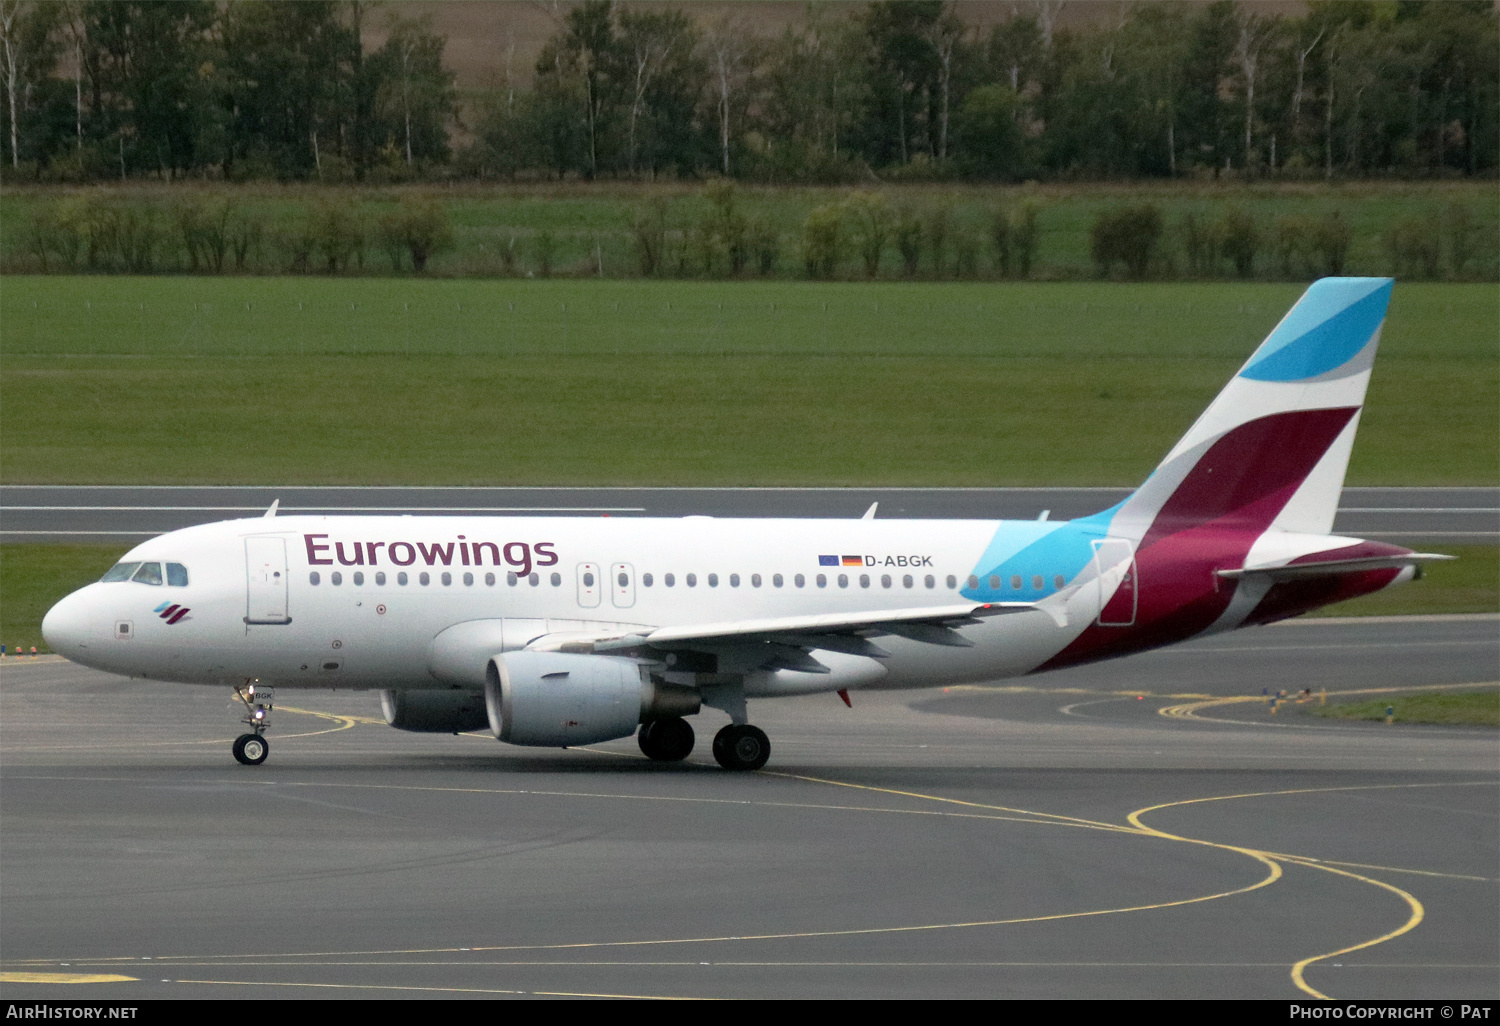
(81, 513)
(1100, 832)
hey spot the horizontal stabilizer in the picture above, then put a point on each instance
(1330, 567)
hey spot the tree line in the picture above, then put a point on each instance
(851, 234)
(897, 90)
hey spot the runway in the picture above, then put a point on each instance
(1055, 836)
(125, 512)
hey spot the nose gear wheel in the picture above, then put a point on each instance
(251, 749)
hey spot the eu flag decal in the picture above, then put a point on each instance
(828, 561)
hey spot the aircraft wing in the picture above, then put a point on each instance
(1328, 567)
(786, 640)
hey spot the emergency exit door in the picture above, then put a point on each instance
(1114, 563)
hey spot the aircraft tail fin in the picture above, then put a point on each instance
(1272, 449)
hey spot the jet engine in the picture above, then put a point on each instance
(557, 699)
(434, 712)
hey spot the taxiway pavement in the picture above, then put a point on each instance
(1052, 836)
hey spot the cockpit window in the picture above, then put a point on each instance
(149, 573)
(177, 575)
(119, 572)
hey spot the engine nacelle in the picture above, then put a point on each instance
(558, 699)
(435, 712)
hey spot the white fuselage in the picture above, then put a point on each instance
(387, 586)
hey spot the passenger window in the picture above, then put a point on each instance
(401, 578)
(692, 580)
(624, 580)
(149, 573)
(646, 580)
(424, 579)
(359, 577)
(906, 582)
(713, 580)
(557, 580)
(119, 572)
(177, 575)
(313, 578)
(973, 581)
(489, 580)
(534, 580)
(755, 580)
(843, 580)
(734, 580)
(952, 581)
(511, 579)
(1036, 582)
(885, 580)
(380, 578)
(994, 582)
(588, 580)
(1058, 582)
(668, 580)
(822, 581)
(930, 581)
(1015, 582)
(336, 578)
(777, 581)
(468, 580)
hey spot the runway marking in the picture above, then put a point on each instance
(1385, 869)
(1417, 913)
(345, 721)
(1070, 820)
(1067, 710)
(328, 509)
(438, 990)
(64, 978)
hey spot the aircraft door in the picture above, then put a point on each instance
(1114, 562)
(266, 581)
(589, 585)
(622, 584)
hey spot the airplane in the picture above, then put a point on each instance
(567, 631)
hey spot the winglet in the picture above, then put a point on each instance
(870, 513)
(272, 511)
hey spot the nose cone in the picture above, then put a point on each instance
(67, 626)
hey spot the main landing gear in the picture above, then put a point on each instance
(736, 747)
(251, 749)
(669, 739)
(740, 746)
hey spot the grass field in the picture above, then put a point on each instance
(582, 219)
(358, 381)
(34, 576)
(1470, 709)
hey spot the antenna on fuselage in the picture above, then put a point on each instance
(272, 511)
(1045, 514)
(870, 513)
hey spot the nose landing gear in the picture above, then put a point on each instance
(251, 749)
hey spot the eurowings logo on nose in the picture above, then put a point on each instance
(172, 613)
